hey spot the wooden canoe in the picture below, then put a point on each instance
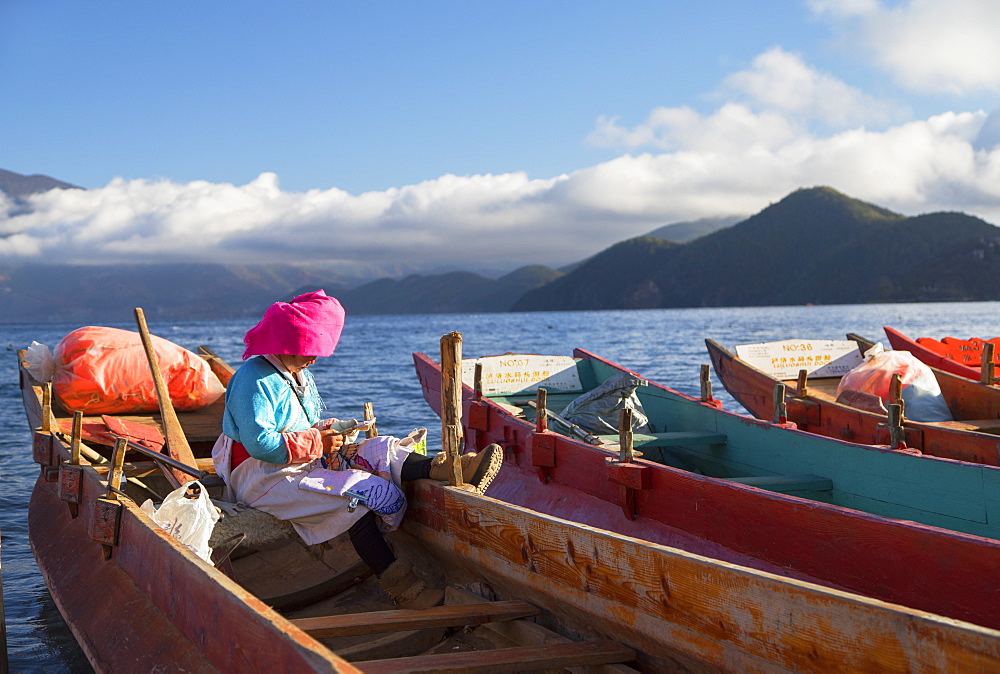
(962, 357)
(878, 522)
(972, 438)
(137, 600)
(526, 590)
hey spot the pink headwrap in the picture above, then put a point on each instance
(309, 325)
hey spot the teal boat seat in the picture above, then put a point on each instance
(671, 439)
(787, 483)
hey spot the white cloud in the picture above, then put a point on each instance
(732, 125)
(914, 167)
(783, 125)
(781, 81)
(509, 219)
(844, 8)
(929, 46)
(779, 98)
(145, 221)
(787, 125)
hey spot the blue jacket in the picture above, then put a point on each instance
(261, 405)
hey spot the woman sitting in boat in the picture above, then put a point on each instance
(278, 455)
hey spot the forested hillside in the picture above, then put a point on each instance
(815, 246)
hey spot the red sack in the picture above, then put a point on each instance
(104, 371)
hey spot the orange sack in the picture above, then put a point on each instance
(102, 370)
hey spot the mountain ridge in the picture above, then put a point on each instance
(17, 185)
(814, 246)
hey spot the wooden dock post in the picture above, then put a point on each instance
(897, 436)
(369, 413)
(451, 404)
(896, 395)
(802, 384)
(477, 381)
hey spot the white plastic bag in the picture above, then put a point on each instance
(188, 519)
(40, 362)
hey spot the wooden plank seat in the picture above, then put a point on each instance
(414, 619)
(980, 425)
(200, 426)
(671, 439)
(787, 483)
(523, 632)
(516, 659)
(526, 646)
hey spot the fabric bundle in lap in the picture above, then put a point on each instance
(383, 497)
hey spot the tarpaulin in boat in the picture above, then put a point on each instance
(922, 399)
(101, 370)
(598, 410)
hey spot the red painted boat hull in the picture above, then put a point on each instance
(152, 602)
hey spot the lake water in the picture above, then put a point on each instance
(373, 363)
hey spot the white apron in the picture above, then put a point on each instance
(312, 497)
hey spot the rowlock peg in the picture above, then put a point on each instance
(706, 382)
(778, 404)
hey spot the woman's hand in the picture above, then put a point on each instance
(332, 441)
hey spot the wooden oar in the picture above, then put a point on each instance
(570, 427)
(176, 443)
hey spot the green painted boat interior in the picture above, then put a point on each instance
(694, 437)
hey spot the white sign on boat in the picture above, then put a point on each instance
(818, 357)
(523, 373)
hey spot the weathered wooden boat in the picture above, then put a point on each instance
(963, 357)
(540, 592)
(872, 520)
(811, 404)
(137, 600)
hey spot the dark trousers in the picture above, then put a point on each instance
(365, 535)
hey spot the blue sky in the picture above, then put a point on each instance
(435, 130)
